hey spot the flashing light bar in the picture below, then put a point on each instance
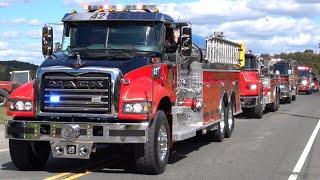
(303, 68)
(120, 7)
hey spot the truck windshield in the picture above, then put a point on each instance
(282, 68)
(250, 63)
(98, 38)
(304, 74)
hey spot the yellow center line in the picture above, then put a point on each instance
(57, 176)
(76, 176)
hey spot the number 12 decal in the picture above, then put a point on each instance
(98, 16)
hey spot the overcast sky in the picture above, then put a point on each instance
(266, 26)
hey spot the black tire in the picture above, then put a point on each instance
(278, 101)
(146, 156)
(289, 100)
(219, 134)
(29, 155)
(294, 97)
(230, 121)
(4, 95)
(275, 105)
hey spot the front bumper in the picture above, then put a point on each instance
(285, 94)
(249, 101)
(304, 89)
(77, 135)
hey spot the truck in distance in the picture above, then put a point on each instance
(288, 79)
(259, 87)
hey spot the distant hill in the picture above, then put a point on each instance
(7, 66)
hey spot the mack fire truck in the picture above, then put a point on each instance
(305, 79)
(288, 79)
(259, 86)
(126, 75)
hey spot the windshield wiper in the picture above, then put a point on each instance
(74, 51)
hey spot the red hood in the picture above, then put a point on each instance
(284, 79)
(25, 92)
(248, 77)
(7, 85)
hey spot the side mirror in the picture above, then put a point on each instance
(186, 41)
(289, 72)
(47, 41)
(277, 72)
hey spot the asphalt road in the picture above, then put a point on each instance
(268, 148)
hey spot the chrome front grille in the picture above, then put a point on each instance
(85, 93)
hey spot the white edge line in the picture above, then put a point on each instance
(305, 153)
(4, 150)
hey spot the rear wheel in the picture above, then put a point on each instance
(152, 157)
(219, 134)
(294, 97)
(275, 105)
(29, 155)
(230, 122)
(4, 95)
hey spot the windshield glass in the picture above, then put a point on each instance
(282, 68)
(20, 77)
(304, 73)
(250, 63)
(95, 38)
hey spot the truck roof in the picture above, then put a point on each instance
(118, 16)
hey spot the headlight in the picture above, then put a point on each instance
(282, 86)
(20, 105)
(28, 106)
(253, 87)
(137, 108)
(312, 84)
(304, 82)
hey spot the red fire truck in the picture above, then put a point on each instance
(288, 79)
(259, 87)
(17, 79)
(305, 79)
(124, 75)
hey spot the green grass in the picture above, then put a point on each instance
(3, 115)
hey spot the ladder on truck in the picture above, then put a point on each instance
(222, 51)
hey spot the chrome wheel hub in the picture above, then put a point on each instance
(222, 123)
(230, 118)
(162, 143)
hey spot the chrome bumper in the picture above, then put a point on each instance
(249, 101)
(88, 132)
(76, 140)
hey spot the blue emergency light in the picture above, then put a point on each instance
(54, 99)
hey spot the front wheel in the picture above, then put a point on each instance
(3, 97)
(289, 100)
(152, 157)
(29, 155)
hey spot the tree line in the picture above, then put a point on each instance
(8, 66)
(308, 58)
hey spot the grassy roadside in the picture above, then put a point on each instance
(3, 115)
